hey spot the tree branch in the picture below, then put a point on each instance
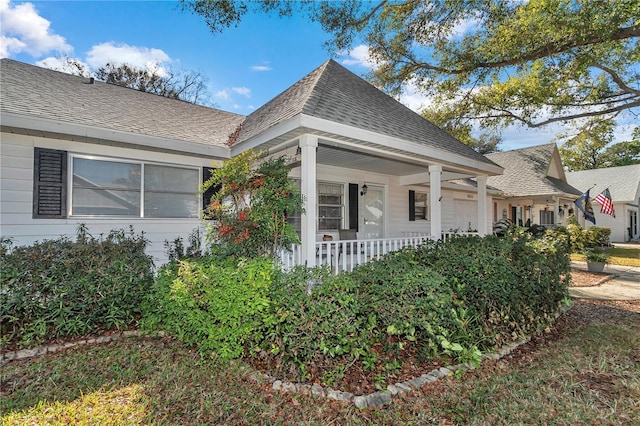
(616, 78)
(541, 52)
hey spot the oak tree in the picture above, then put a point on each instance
(498, 62)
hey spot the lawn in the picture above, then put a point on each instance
(585, 370)
(623, 256)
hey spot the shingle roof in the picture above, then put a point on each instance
(334, 93)
(40, 92)
(622, 181)
(526, 172)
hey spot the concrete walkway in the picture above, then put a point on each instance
(625, 285)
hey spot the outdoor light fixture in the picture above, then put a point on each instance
(299, 151)
(364, 189)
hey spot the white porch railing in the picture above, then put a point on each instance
(344, 255)
(450, 234)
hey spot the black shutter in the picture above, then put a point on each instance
(49, 183)
(353, 206)
(412, 206)
(207, 172)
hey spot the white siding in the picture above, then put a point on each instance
(16, 195)
(397, 222)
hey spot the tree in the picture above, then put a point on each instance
(589, 147)
(189, 86)
(186, 86)
(252, 204)
(486, 143)
(497, 61)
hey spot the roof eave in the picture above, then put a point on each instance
(140, 140)
(326, 126)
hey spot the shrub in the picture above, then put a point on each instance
(598, 236)
(62, 288)
(255, 196)
(510, 286)
(214, 304)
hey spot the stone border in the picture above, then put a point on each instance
(49, 349)
(375, 399)
(380, 398)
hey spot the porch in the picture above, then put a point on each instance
(344, 255)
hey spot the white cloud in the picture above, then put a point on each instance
(360, 56)
(23, 30)
(261, 68)
(244, 91)
(223, 94)
(118, 54)
(66, 64)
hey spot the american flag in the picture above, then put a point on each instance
(606, 204)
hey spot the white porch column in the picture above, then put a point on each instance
(308, 145)
(435, 198)
(556, 211)
(482, 205)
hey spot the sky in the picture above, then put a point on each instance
(244, 67)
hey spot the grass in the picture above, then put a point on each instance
(588, 372)
(622, 256)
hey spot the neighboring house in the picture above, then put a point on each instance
(78, 151)
(624, 186)
(534, 185)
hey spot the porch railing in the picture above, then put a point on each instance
(344, 255)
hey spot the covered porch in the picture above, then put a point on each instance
(368, 165)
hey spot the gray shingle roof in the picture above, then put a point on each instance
(334, 93)
(622, 181)
(40, 92)
(525, 172)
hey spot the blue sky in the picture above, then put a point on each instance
(244, 67)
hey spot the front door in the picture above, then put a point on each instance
(373, 213)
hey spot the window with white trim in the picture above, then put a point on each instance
(547, 218)
(109, 187)
(330, 206)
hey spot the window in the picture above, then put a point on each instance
(418, 206)
(119, 188)
(295, 219)
(330, 206)
(547, 218)
(421, 210)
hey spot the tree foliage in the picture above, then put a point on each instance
(251, 206)
(186, 86)
(498, 61)
(589, 147)
(189, 86)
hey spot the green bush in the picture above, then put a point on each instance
(449, 299)
(598, 236)
(61, 288)
(215, 304)
(510, 286)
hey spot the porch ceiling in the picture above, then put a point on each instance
(358, 155)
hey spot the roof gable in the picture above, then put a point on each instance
(332, 92)
(531, 171)
(623, 182)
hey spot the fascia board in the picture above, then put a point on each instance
(266, 136)
(396, 143)
(59, 127)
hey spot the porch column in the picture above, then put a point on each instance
(308, 145)
(482, 205)
(556, 211)
(435, 197)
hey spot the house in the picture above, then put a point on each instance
(75, 150)
(534, 186)
(624, 186)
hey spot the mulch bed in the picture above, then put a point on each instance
(582, 278)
